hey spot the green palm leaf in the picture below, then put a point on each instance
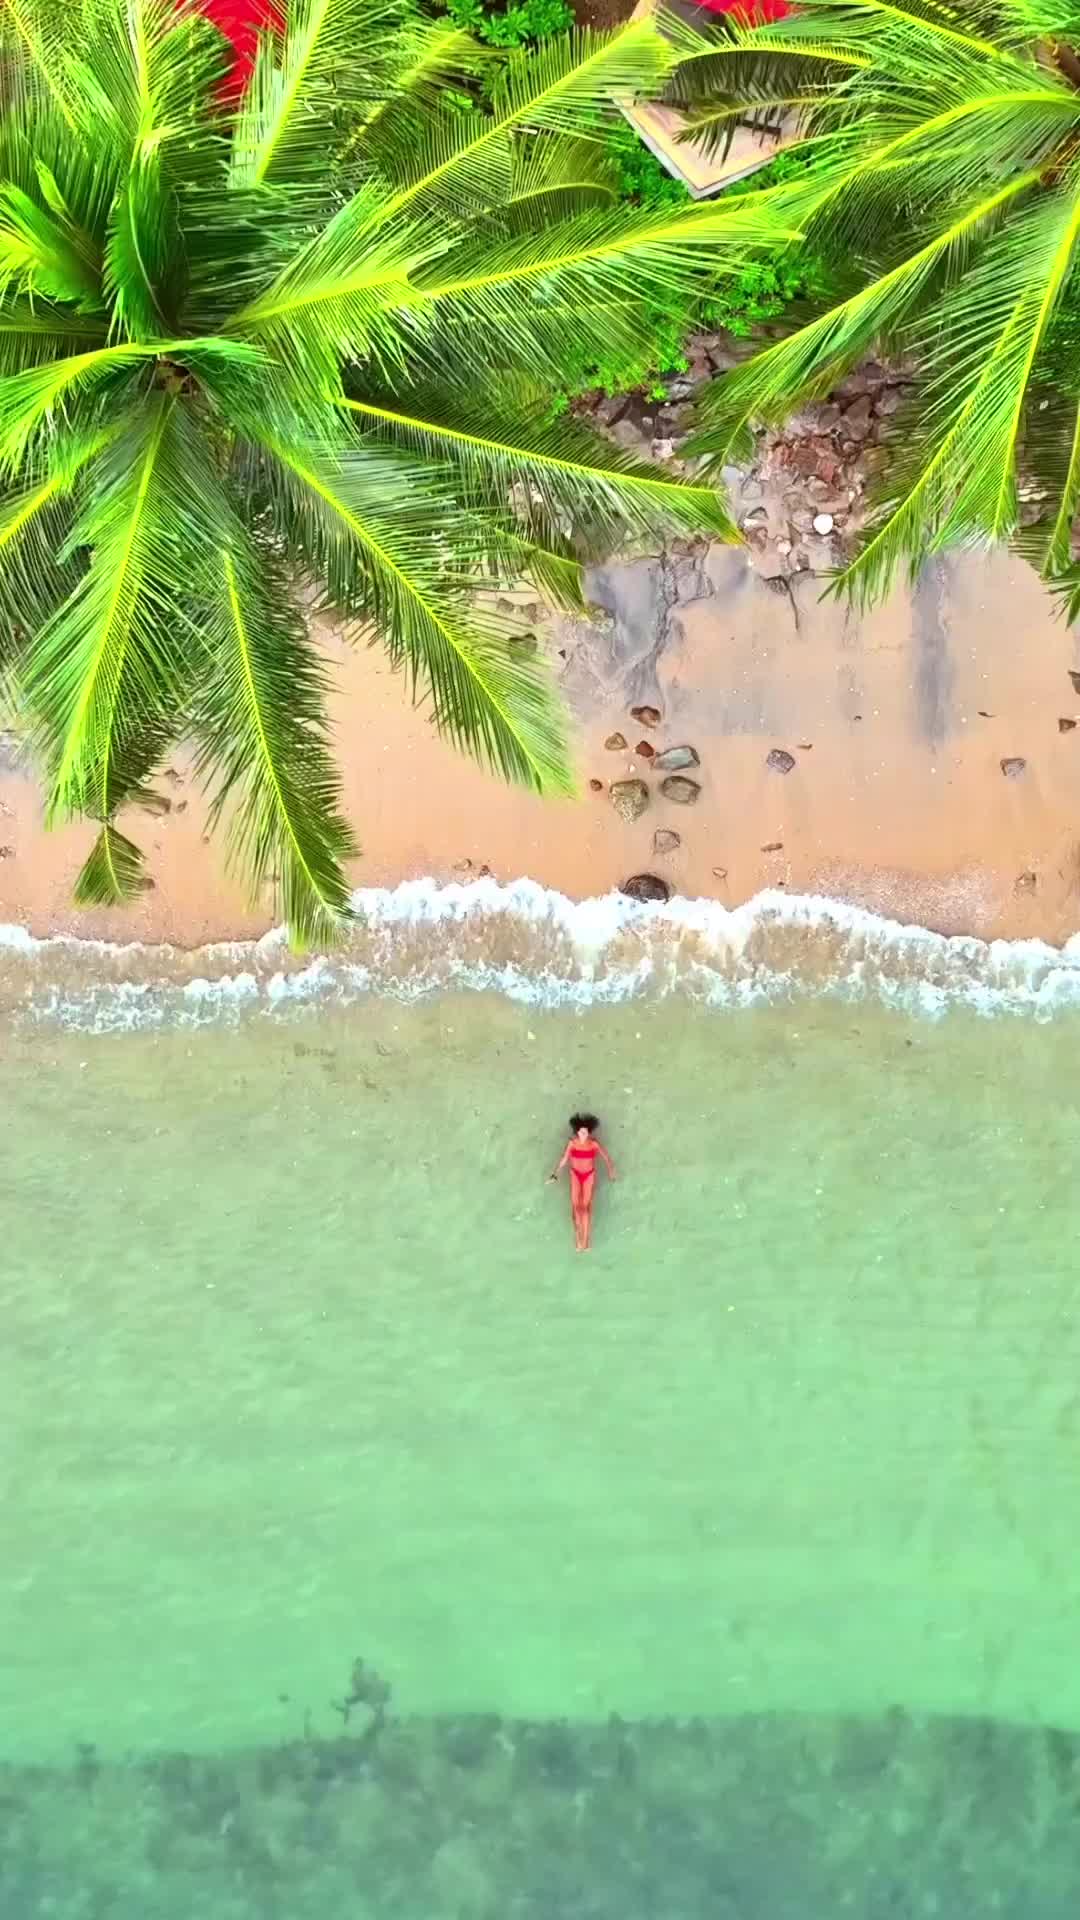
(371, 523)
(261, 723)
(558, 471)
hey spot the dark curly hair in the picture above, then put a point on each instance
(587, 1120)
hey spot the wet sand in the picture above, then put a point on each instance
(898, 724)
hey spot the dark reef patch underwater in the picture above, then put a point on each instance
(764, 1817)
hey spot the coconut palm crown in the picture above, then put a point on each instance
(300, 339)
(944, 192)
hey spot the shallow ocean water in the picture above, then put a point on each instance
(729, 1570)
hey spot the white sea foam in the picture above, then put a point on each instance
(536, 946)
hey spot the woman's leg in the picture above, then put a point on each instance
(588, 1186)
(576, 1214)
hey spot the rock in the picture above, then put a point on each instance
(1064, 725)
(751, 492)
(8, 853)
(773, 846)
(463, 866)
(181, 806)
(174, 779)
(677, 759)
(805, 746)
(644, 751)
(1013, 766)
(684, 792)
(719, 873)
(889, 401)
(626, 434)
(783, 546)
(827, 417)
(663, 449)
(1075, 678)
(802, 520)
(647, 888)
(616, 743)
(756, 517)
(780, 760)
(629, 799)
(596, 786)
(1025, 883)
(610, 410)
(665, 840)
(646, 716)
(823, 523)
(858, 417)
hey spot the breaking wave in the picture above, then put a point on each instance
(536, 946)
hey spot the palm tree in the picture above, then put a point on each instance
(302, 338)
(943, 189)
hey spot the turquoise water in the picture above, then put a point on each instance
(729, 1571)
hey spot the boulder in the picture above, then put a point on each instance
(596, 786)
(823, 523)
(629, 799)
(643, 750)
(1025, 883)
(646, 716)
(858, 418)
(1013, 766)
(616, 743)
(677, 759)
(1065, 725)
(684, 792)
(779, 760)
(1075, 678)
(665, 840)
(647, 888)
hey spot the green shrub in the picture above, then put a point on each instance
(523, 24)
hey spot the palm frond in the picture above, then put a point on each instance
(809, 362)
(35, 45)
(35, 520)
(41, 254)
(460, 162)
(557, 474)
(113, 872)
(335, 59)
(369, 525)
(264, 750)
(1051, 455)
(956, 480)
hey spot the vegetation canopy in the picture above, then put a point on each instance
(303, 339)
(945, 197)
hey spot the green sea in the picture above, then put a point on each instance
(365, 1551)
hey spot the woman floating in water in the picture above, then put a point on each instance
(583, 1151)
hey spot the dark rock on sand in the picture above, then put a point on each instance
(616, 743)
(684, 792)
(643, 751)
(1013, 767)
(719, 873)
(646, 716)
(1025, 883)
(629, 799)
(773, 846)
(1065, 725)
(646, 887)
(780, 760)
(1075, 678)
(665, 840)
(675, 759)
(596, 786)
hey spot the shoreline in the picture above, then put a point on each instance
(934, 777)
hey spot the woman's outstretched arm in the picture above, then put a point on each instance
(562, 1162)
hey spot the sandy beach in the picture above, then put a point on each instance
(935, 747)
